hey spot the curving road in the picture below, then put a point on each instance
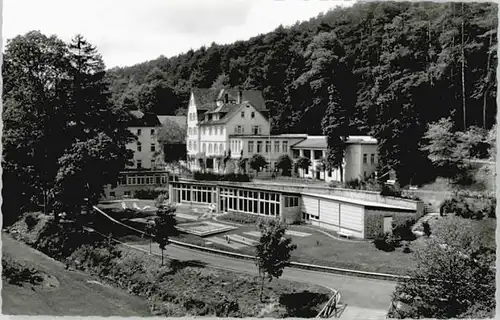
(359, 292)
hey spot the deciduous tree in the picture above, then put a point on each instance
(165, 224)
(273, 251)
(454, 276)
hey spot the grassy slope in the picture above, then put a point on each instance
(73, 295)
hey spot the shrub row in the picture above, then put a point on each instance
(149, 194)
(210, 176)
(243, 218)
(18, 272)
(470, 207)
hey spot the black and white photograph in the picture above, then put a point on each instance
(249, 159)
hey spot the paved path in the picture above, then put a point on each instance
(358, 292)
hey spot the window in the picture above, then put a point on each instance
(139, 163)
(238, 129)
(138, 132)
(204, 131)
(276, 147)
(318, 154)
(222, 130)
(195, 147)
(210, 148)
(139, 147)
(372, 158)
(250, 146)
(285, 146)
(152, 132)
(365, 156)
(153, 163)
(243, 114)
(268, 146)
(216, 148)
(210, 131)
(112, 194)
(190, 146)
(252, 115)
(153, 147)
(204, 147)
(256, 130)
(127, 193)
(259, 146)
(221, 148)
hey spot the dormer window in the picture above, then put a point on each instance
(243, 114)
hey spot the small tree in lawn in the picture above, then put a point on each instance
(303, 163)
(164, 224)
(273, 250)
(257, 162)
(284, 163)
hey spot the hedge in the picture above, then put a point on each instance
(210, 176)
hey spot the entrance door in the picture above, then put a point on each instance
(223, 204)
(388, 224)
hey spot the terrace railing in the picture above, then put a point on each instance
(332, 308)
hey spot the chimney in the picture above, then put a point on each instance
(240, 96)
(226, 98)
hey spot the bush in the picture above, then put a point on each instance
(243, 218)
(388, 191)
(31, 220)
(385, 242)
(402, 229)
(210, 176)
(470, 207)
(427, 228)
(17, 272)
(147, 194)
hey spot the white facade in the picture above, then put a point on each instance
(360, 159)
(145, 147)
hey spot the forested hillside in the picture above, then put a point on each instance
(387, 69)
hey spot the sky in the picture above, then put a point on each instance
(127, 32)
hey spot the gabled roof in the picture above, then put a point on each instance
(230, 110)
(140, 119)
(180, 120)
(205, 98)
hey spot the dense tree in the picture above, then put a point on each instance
(284, 163)
(273, 251)
(56, 101)
(454, 275)
(303, 163)
(164, 226)
(396, 67)
(36, 68)
(442, 146)
(257, 162)
(336, 128)
(78, 182)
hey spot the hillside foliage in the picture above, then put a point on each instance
(393, 68)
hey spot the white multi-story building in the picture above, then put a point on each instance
(236, 122)
(360, 159)
(147, 169)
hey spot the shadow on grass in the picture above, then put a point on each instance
(304, 304)
(177, 265)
